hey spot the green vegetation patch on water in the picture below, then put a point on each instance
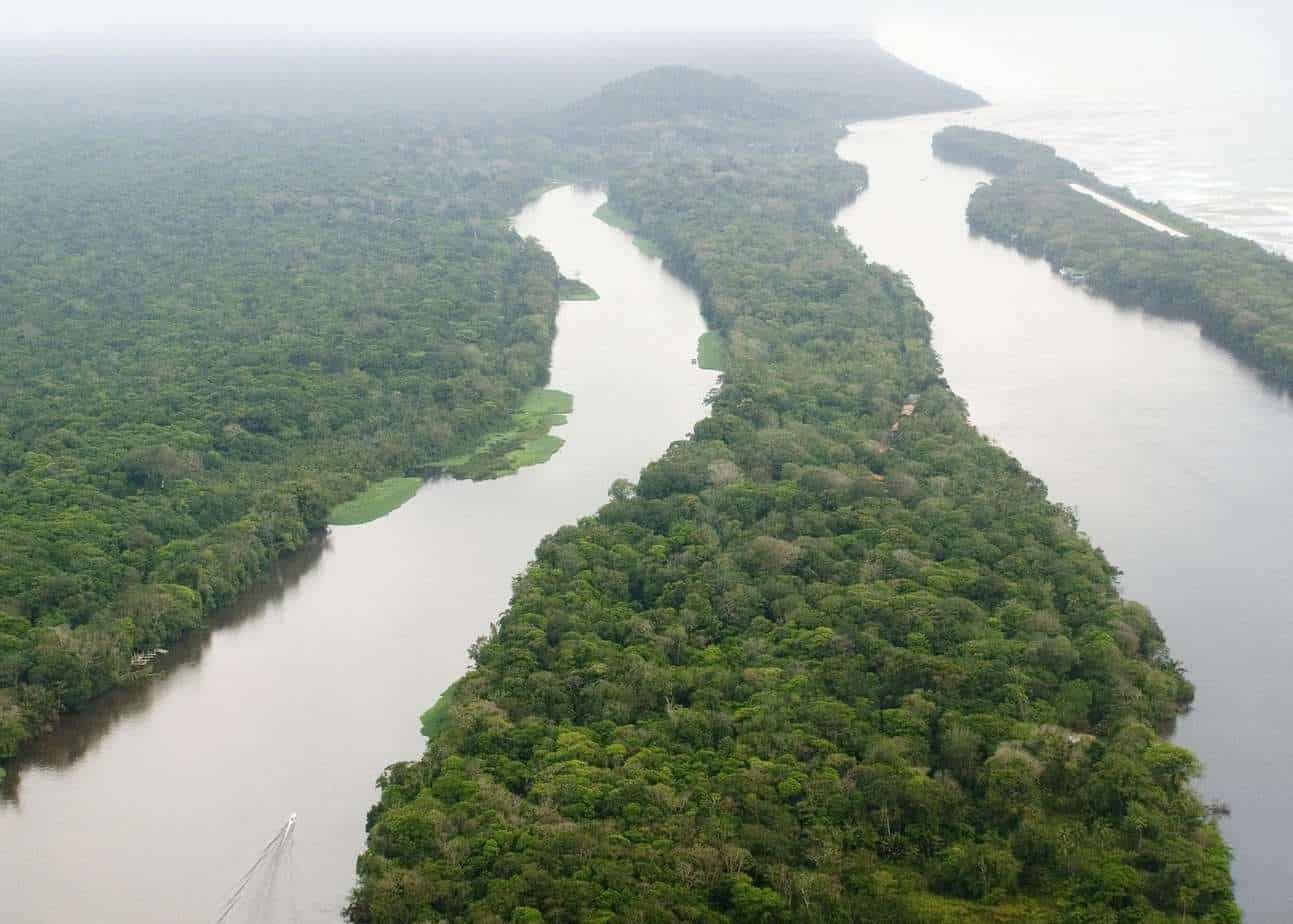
(374, 502)
(573, 290)
(526, 442)
(535, 451)
(434, 717)
(617, 219)
(712, 351)
(267, 466)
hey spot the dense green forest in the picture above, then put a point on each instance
(1240, 294)
(212, 330)
(237, 286)
(809, 667)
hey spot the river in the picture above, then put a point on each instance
(151, 805)
(1174, 454)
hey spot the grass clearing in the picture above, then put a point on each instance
(375, 501)
(711, 351)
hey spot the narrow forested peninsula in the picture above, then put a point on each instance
(1240, 294)
(812, 666)
(228, 306)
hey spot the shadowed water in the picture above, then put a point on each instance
(1176, 456)
(150, 806)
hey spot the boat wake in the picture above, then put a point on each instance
(256, 895)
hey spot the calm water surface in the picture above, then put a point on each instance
(1176, 457)
(1225, 162)
(1188, 103)
(150, 807)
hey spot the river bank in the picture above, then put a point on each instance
(1151, 433)
(303, 693)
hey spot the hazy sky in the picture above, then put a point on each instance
(1001, 48)
(27, 16)
(424, 15)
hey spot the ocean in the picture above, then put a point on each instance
(1191, 109)
(1226, 167)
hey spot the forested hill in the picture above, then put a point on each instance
(1240, 294)
(653, 100)
(812, 666)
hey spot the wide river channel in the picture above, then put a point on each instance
(1176, 457)
(151, 805)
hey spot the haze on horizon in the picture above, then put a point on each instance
(497, 16)
(1002, 48)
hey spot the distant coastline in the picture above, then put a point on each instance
(1239, 293)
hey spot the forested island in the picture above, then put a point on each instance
(828, 659)
(1240, 294)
